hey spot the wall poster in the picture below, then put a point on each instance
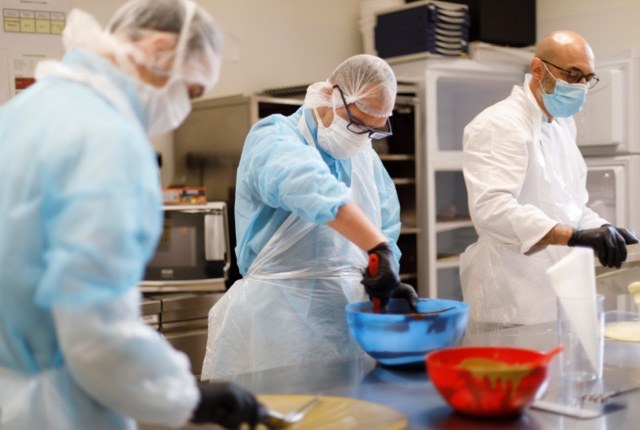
(30, 32)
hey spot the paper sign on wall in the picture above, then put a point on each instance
(30, 31)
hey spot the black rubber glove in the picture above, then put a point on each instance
(607, 243)
(381, 276)
(407, 292)
(630, 236)
(227, 405)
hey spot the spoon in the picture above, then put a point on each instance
(275, 420)
(429, 313)
(603, 397)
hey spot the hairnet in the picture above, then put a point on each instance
(365, 80)
(198, 50)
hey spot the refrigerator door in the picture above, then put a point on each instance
(610, 183)
(605, 185)
(601, 121)
(606, 125)
(457, 91)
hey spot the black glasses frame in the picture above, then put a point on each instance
(358, 127)
(576, 75)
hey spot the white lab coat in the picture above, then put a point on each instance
(523, 176)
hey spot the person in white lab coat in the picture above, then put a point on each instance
(80, 216)
(312, 196)
(526, 182)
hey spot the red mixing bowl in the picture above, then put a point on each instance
(488, 381)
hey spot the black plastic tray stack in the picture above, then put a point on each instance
(435, 27)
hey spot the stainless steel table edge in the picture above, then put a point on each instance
(411, 392)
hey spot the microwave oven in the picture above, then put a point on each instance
(193, 251)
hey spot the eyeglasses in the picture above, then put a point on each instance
(358, 127)
(574, 76)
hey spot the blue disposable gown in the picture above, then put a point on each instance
(80, 215)
(298, 273)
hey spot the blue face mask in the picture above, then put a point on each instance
(566, 100)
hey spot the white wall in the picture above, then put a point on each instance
(275, 43)
(272, 43)
(608, 25)
(268, 44)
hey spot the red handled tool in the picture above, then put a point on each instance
(373, 271)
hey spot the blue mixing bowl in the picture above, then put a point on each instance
(401, 339)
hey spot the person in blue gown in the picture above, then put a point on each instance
(313, 204)
(80, 216)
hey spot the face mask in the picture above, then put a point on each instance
(339, 142)
(165, 107)
(168, 106)
(566, 100)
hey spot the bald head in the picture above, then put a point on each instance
(558, 53)
(566, 45)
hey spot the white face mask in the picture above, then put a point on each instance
(166, 107)
(339, 142)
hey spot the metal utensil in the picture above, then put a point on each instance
(591, 410)
(429, 313)
(276, 420)
(603, 397)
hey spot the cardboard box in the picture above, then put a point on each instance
(184, 196)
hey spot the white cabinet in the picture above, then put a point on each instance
(611, 183)
(454, 91)
(609, 137)
(607, 124)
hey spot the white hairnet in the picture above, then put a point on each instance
(365, 80)
(198, 50)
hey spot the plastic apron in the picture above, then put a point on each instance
(290, 307)
(41, 392)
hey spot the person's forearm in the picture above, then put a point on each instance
(353, 224)
(558, 235)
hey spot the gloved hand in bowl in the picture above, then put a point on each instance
(381, 279)
(407, 292)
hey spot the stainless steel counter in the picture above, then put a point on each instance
(412, 393)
